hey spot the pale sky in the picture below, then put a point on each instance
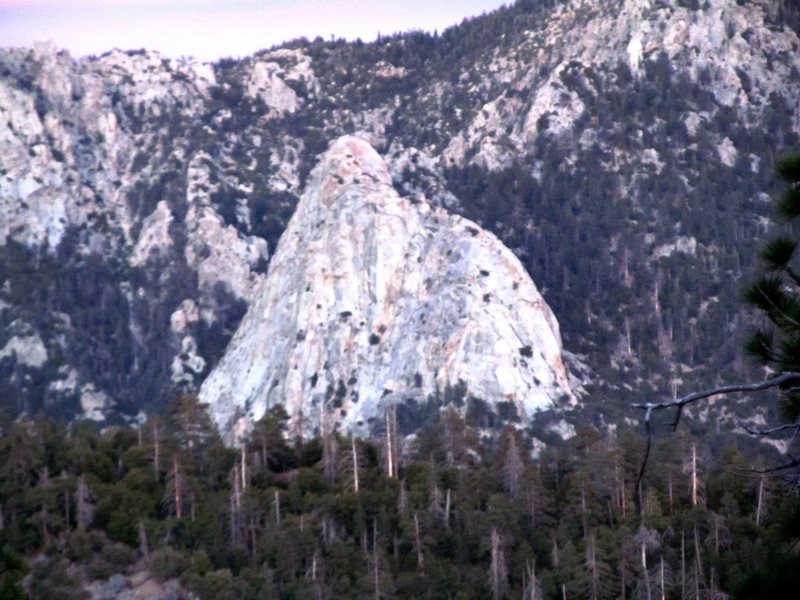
(209, 29)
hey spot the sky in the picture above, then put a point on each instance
(211, 29)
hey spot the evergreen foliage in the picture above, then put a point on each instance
(776, 294)
(465, 517)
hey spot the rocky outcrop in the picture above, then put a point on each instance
(370, 295)
(734, 50)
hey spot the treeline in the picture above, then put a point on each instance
(444, 513)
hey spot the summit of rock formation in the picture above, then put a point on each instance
(373, 298)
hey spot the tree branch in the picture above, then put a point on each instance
(754, 431)
(778, 310)
(793, 463)
(679, 403)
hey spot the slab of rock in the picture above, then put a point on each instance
(371, 295)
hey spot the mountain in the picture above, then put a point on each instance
(622, 149)
(374, 298)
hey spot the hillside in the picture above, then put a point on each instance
(621, 149)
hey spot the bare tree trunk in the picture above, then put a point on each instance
(244, 467)
(669, 487)
(391, 443)
(584, 524)
(375, 568)
(532, 502)
(235, 503)
(45, 531)
(554, 554)
(436, 500)
(264, 453)
(389, 452)
(623, 498)
(156, 452)
(355, 463)
(329, 450)
(760, 500)
(644, 570)
(617, 487)
(628, 336)
(67, 501)
(531, 589)
(144, 547)
(512, 468)
(623, 571)
(277, 506)
(396, 445)
(591, 563)
(694, 475)
(557, 473)
(447, 510)
(683, 564)
(315, 578)
(252, 530)
(698, 567)
(498, 572)
(237, 490)
(84, 510)
(697, 546)
(402, 499)
(178, 500)
(418, 543)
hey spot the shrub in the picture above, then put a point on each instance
(167, 563)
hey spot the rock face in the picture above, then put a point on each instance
(370, 296)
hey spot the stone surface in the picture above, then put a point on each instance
(733, 49)
(371, 295)
(27, 350)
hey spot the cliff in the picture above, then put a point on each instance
(372, 299)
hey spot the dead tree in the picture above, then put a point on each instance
(498, 573)
(85, 510)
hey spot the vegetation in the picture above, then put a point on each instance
(457, 516)
(775, 294)
(449, 512)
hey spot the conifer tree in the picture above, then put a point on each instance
(268, 439)
(512, 467)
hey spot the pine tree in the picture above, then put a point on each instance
(777, 294)
(190, 426)
(513, 466)
(268, 439)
